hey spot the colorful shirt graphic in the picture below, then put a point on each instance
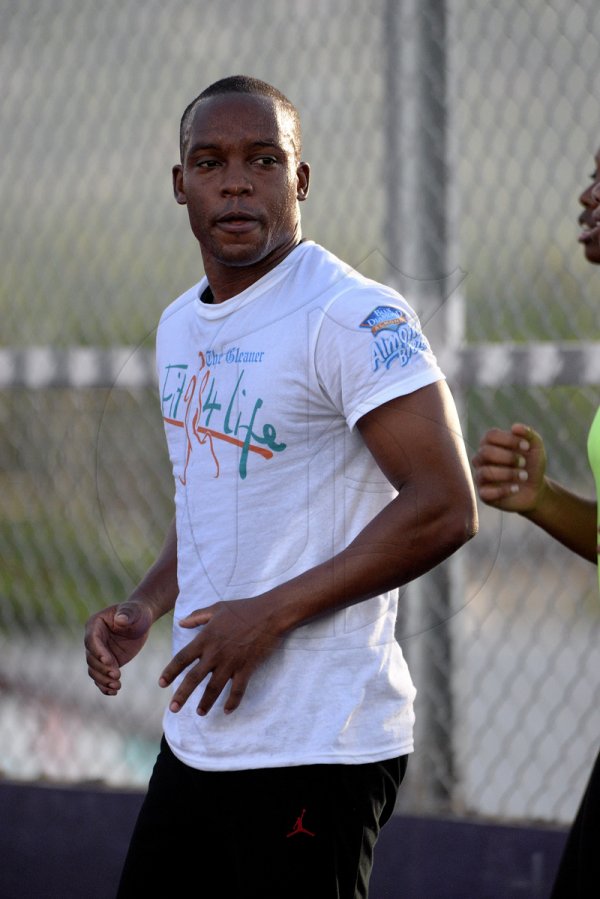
(190, 399)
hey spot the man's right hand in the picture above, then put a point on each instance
(113, 637)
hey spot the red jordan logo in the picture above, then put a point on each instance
(299, 827)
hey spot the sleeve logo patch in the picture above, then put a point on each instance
(384, 318)
(403, 343)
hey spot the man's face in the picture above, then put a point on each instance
(590, 217)
(241, 180)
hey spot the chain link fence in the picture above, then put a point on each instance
(449, 144)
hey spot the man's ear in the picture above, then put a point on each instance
(178, 190)
(303, 176)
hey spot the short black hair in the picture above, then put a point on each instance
(240, 84)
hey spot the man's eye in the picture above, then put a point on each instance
(266, 161)
(206, 163)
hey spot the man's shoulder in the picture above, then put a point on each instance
(351, 290)
(341, 282)
(178, 307)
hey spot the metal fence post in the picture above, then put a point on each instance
(416, 233)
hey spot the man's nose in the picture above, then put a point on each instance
(236, 182)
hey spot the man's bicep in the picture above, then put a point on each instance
(417, 436)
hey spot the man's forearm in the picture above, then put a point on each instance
(395, 548)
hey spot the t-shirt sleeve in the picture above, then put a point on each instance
(371, 349)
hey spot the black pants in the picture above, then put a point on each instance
(578, 875)
(305, 832)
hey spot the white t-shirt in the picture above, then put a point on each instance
(260, 395)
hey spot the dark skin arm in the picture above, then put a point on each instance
(116, 634)
(510, 474)
(417, 443)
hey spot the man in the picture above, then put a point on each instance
(318, 465)
(511, 475)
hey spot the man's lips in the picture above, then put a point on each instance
(237, 222)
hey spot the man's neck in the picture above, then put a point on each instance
(227, 281)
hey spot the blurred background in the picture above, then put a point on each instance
(449, 144)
